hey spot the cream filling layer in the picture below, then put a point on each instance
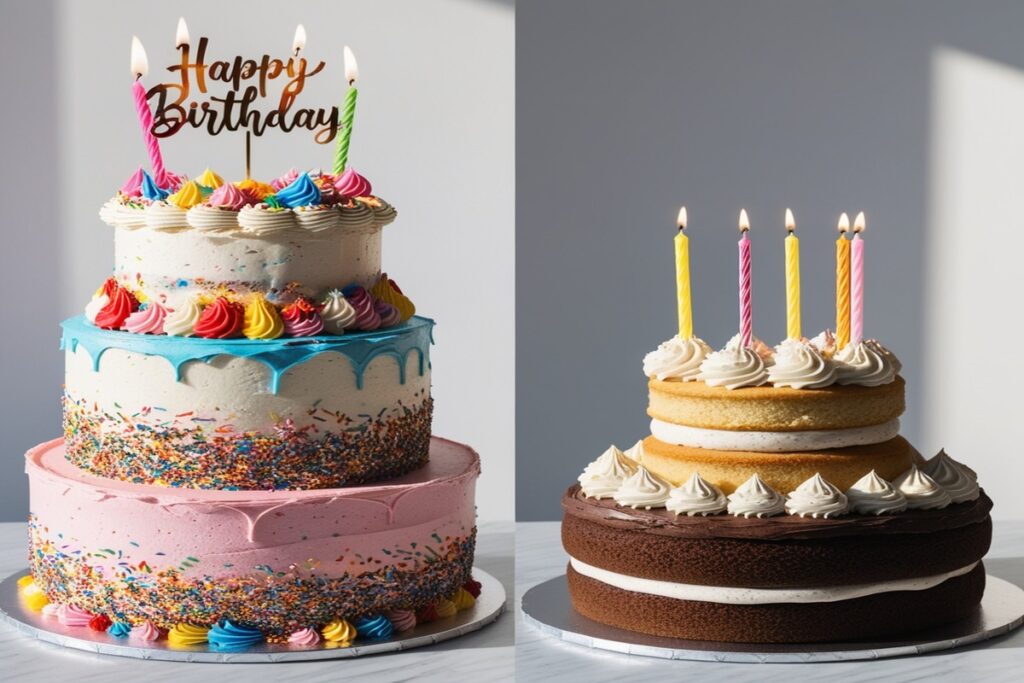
(772, 442)
(759, 596)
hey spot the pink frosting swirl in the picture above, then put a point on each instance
(389, 315)
(52, 610)
(367, 317)
(133, 186)
(350, 185)
(74, 616)
(148, 320)
(228, 196)
(284, 181)
(171, 181)
(304, 637)
(145, 632)
(402, 619)
(301, 319)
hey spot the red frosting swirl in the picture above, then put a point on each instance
(100, 622)
(222, 319)
(301, 319)
(121, 304)
(367, 317)
(350, 185)
(473, 587)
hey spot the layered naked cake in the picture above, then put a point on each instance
(775, 502)
(247, 449)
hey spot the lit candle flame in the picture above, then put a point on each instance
(790, 221)
(681, 220)
(744, 221)
(300, 39)
(182, 40)
(351, 68)
(140, 65)
(858, 223)
(844, 223)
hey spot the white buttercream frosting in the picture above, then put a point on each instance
(643, 489)
(825, 342)
(754, 498)
(772, 442)
(950, 475)
(95, 305)
(212, 218)
(696, 497)
(800, 365)
(817, 498)
(261, 219)
(164, 216)
(872, 495)
(636, 452)
(677, 359)
(317, 218)
(182, 317)
(921, 491)
(735, 366)
(868, 363)
(603, 477)
(336, 312)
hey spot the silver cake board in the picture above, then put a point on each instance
(489, 606)
(547, 608)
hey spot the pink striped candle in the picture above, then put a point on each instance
(140, 67)
(857, 282)
(746, 308)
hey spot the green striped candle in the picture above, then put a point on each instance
(348, 113)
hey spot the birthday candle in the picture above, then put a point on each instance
(682, 244)
(348, 113)
(140, 67)
(857, 281)
(792, 279)
(746, 312)
(843, 283)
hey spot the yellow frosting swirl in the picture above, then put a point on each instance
(339, 632)
(210, 179)
(258, 189)
(34, 597)
(384, 291)
(188, 196)
(463, 599)
(445, 608)
(183, 635)
(24, 581)
(262, 320)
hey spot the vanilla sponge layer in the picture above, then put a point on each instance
(783, 471)
(766, 408)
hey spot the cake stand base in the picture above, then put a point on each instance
(547, 608)
(487, 609)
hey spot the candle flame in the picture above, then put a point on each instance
(790, 221)
(351, 68)
(681, 220)
(300, 39)
(844, 223)
(140, 65)
(182, 39)
(744, 221)
(858, 223)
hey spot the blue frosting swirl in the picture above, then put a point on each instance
(375, 628)
(229, 637)
(150, 190)
(119, 629)
(302, 192)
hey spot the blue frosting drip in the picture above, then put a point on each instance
(375, 628)
(229, 637)
(150, 190)
(302, 192)
(280, 355)
(119, 629)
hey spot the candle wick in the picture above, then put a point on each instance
(351, 82)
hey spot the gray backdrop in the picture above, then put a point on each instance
(627, 110)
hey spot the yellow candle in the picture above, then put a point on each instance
(843, 284)
(683, 279)
(792, 279)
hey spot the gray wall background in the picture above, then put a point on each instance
(434, 132)
(627, 110)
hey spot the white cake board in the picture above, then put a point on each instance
(489, 606)
(547, 608)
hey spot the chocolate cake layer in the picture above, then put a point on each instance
(869, 617)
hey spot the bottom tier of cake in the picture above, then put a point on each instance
(779, 579)
(275, 561)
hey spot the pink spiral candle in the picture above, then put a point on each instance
(152, 144)
(746, 310)
(856, 289)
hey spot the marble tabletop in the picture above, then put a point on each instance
(539, 557)
(486, 655)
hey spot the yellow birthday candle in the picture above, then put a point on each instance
(843, 284)
(682, 244)
(792, 279)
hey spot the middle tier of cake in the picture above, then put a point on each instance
(289, 413)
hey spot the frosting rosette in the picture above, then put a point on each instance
(800, 365)
(145, 632)
(119, 629)
(374, 628)
(951, 476)
(402, 619)
(445, 608)
(301, 192)
(147, 320)
(755, 498)
(223, 319)
(285, 180)
(921, 491)
(301, 319)
(389, 315)
(734, 367)
(100, 622)
(228, 636)
(636, 451)
(262, 219)
(643, 489)
(133, 186)
(304, 637)
(872, 495)
(463, 599)
(351, 185)
(868, 363)
(188, 196)
(387, 290)
(336, 312)
(367, 317)
(261, 319)
(150, 190)
(816, 498)
(696, 497)
(603, 477)
(185, 635)
(210, 180)
(120, 304)
(229, 196)
(255, 188)
(72, 615)
(825, 342)
(339, 632)
(677, 359)
(182, 318)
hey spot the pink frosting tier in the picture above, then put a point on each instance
(275, 560)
